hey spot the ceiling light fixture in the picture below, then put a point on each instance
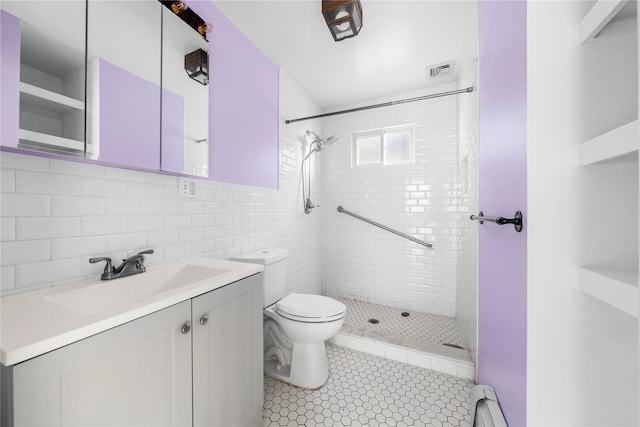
(343, 17)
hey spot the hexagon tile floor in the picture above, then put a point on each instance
(366, 390)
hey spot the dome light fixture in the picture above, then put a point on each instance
(343, 17)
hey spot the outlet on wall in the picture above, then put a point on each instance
(188, 188)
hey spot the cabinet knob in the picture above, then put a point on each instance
(204, 320)
(185, 328)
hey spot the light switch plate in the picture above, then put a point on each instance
(188, 188)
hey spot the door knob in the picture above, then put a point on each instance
(185, 328)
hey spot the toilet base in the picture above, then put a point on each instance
(309, 367)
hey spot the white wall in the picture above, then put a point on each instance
(368, 263)
(582, 355)
(57, 214)
(467, 273)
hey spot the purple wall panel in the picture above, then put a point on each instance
(243, 105)
(172, 157)
(129, 119)
(9, 79)
(502, 270)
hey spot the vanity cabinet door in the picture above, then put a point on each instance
(135, 374)
(227, 355)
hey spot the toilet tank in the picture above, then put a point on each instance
(274, 282)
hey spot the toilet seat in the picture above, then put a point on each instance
(310, 308)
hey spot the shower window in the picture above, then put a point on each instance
(386, 146)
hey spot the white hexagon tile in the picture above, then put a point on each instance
(366, 390)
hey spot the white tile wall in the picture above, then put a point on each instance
(57, 214)
(420, 199)
(467, 273)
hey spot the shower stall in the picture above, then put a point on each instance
(412, 168)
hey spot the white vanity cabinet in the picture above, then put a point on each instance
(198, 362)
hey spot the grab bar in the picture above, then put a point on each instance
(384, 227)
(516, 220)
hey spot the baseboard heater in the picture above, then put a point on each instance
(488, 412)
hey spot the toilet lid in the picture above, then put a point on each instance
(310, 306)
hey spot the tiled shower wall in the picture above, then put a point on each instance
(467, 289)
(419, 199)
(56, 214)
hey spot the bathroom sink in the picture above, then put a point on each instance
(109, 294)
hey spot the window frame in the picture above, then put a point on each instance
(381, 133)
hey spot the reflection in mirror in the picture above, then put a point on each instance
(51, 59)
(185, 99)
(123, 82)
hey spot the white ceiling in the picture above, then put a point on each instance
(398, 41)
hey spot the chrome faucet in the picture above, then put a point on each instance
(132, 265)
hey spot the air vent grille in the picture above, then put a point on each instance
(441, 70)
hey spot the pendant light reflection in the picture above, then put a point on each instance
(343, 17)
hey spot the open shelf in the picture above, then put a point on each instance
(48, 100)
(608, 18)
(618, 288)
(619, 144)
(37, 138)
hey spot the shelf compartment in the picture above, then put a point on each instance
(618, 288)
(618, 144)
(49, 140)
(48, 100)
(603, 14)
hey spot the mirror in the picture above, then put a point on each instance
(185, 100)
(46, 62)
(123, 82)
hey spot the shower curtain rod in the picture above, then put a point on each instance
(384, 104)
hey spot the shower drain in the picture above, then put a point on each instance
(453, 345)
(373, 321)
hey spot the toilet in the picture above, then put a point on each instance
(295, 325)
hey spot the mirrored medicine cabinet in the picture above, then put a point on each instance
(107, 81)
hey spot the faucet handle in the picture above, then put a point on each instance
(108, 268)
(147, 252)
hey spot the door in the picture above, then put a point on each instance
(135, 374)
(227, 355)
(502, 252)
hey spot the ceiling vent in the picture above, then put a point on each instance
(441, 70)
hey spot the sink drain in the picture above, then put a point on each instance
(405, 314)
(373, 321)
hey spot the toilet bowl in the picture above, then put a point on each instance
(295, 325)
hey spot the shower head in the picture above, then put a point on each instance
(312, 137)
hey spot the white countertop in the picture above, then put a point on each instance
(36, 322)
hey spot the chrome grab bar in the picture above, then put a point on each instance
(384, 227)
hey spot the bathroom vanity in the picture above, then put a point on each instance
(178, 345)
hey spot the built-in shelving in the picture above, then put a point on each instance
(47, 140)
(48, 100)
(618, 288)
(619, 144)
(608, 18)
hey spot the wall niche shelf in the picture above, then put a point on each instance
(618, 288)
(617, 145)
(48, 100)
(607, 19)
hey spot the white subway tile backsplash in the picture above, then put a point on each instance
(7, 278)
(47, 272)
(76, 206)
(21, 252)
(103, 225)
(162, 238)
(120, 206)
(75, 168)
(143, 191)
(17, 205)
(97, 187)
(74, 247)
(144, 223)
(7, 229)
(125, 242)
(46, 183)
(47, 227)
(19, 161)
(8, 181)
